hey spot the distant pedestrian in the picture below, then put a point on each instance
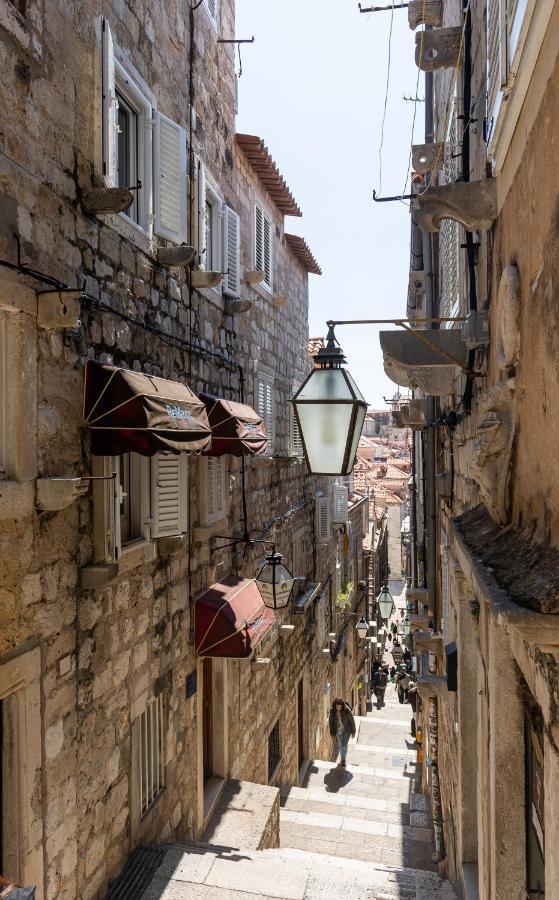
(10, 891)
(412, 700)
(342, 726)
(403, 681)
(380, 687)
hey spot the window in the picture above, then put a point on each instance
(263, 246)
(265, 405)
(214, 488)
(218, 232)
(143, 499)
(274, 750)
(450, 231)
(142, 149)
(515, 33)
(133, 511)
(3, 394)
(212, 8)
(323, 518)
(152, 754)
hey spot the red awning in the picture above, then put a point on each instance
(230, 619)
(133, 412)
(236, 428)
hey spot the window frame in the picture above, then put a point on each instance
(215, 202)
(114, 547)
(272, 771)
(300, 559)
(144, 109)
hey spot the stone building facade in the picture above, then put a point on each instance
(115, 733)
(484, 225)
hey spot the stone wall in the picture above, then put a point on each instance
(105, 652)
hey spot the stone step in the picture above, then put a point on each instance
(399, 816)
(373, 824)
(202, 872)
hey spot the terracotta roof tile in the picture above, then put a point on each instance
(300, 249)
(262, 163)
(315, 344)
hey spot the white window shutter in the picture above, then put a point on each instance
(268, 253)
(231, 247)
(215, 488)
(169, 473)
(169, 179)
(110, 109)
(340, 503)
(258, 239)
(266, 408)
(296, 439)
(322, 518)
(202, 215)
(112, 508)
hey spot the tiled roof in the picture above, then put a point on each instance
(315, 345)
(259, 158)
(300, 249)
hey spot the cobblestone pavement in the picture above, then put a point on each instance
(361, 833)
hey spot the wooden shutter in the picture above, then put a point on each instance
(169, 181)
(110, 109)
(231, 246)
(340, 503)
(169, 488)
(215, 488)
(112, 508)
(202, 215)
(322, 518)
(258, 239)
(267, 253)
(266, 408)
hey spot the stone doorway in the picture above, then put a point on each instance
(213, 736)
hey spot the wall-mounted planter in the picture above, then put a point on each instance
(58, 493)
(202, 279)
(427, 157)
(237, 307)
(102, 201)
(98, 575)
(425, 12)
(58, 309)
(176, 256)
(438, 49)
(412, 363)
(426, 640)
(431, 686)
(471, 203)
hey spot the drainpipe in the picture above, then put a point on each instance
(431, 509)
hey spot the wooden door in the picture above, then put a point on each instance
(207, 721)
(300, 724)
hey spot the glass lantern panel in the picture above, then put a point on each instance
(354, 388)
(325, 384)
(356, 435)
(325, 428)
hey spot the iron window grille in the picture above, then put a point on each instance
(274, 750)
(152, 757)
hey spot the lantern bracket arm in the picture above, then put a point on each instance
(234, 541)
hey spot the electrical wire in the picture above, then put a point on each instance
(381, 144)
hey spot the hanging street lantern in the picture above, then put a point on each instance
(362, 628)
(385, 603)
(274, 581)
(330, 412)
(405, 627)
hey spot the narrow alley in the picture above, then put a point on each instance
(360, 832)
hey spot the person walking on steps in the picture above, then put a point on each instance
(380, 687)
(342, 726)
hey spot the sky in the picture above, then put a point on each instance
(313, 87)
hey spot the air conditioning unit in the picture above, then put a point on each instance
(475, 329)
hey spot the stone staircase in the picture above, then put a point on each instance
(355, 833)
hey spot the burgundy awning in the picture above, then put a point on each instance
(236, 428)
(230, 619)
(131, 411)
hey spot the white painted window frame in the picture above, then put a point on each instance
(518, 46)
(144, 109)
(114, 546)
